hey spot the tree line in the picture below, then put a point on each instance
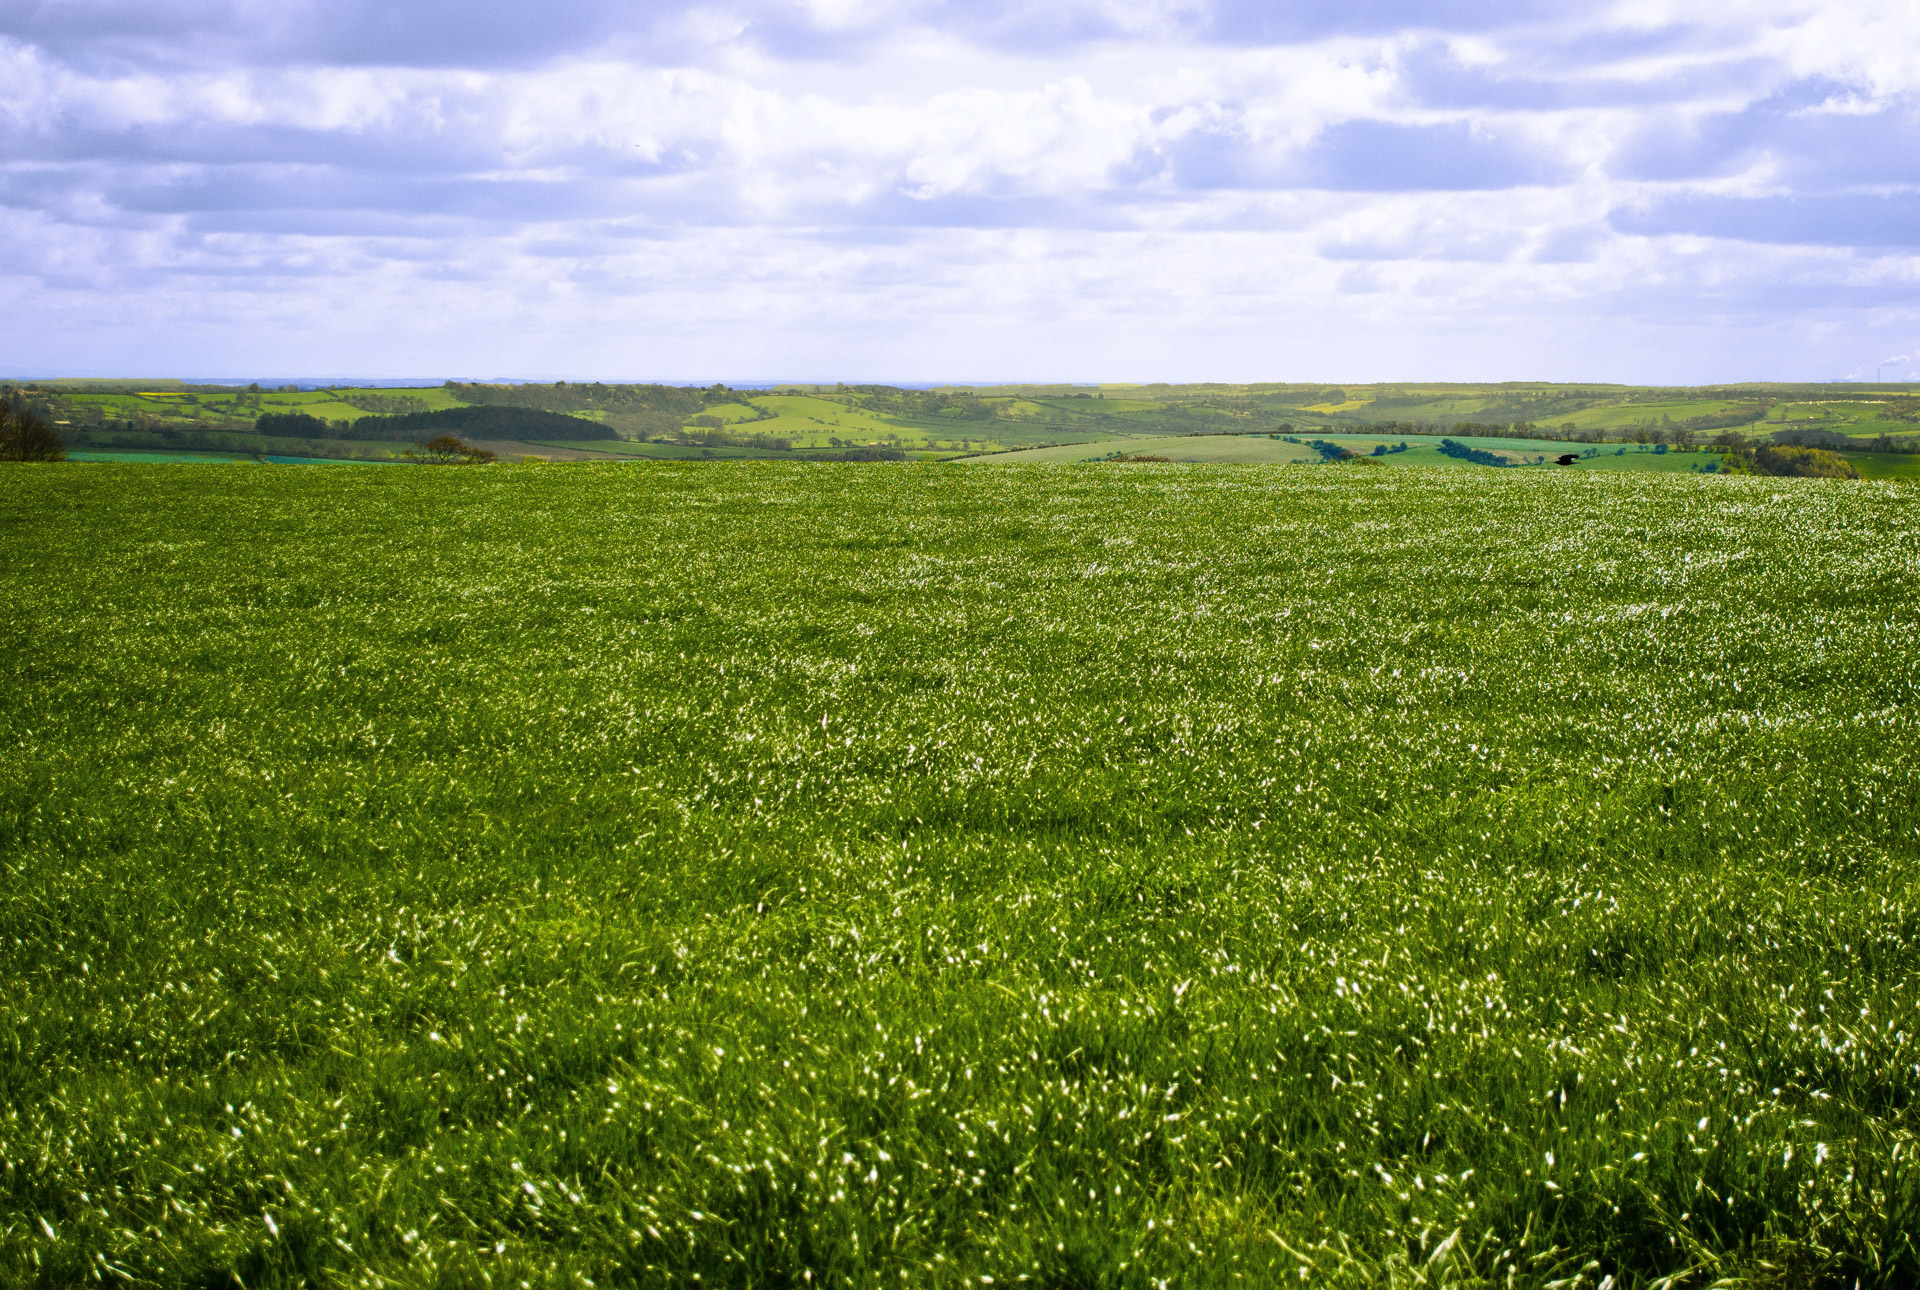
(1789, 461)
(681, 400)
(475, 422)
(1833, 440)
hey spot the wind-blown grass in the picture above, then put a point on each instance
(790, 875)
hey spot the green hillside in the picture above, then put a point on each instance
(1043, 422)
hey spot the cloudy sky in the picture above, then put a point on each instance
(919, 190)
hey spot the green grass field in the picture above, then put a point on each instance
(1885, 465)
(161, 458)
(765, 875)
(1256, 449)
(212, 458)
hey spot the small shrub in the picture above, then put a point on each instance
(25, 435)
(447, 451)
(1804, 463)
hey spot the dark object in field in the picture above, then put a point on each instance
(1566, 458)
(25, 435)
(1138, 459)
(873, 454)
(448, 451)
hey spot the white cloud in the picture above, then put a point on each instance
(897, 190)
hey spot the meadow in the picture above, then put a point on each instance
(767, 874)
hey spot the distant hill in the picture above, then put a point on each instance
(820, 421)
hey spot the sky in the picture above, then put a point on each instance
(934, 190)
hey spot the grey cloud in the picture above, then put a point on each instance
(1349, 156)
(1581, 44)
(202, 143)
(1384, 157)
(1847, 220)
(317, 198)
(1263, 21)
(1434, 76)
(1807, 145)
(498, 33)
(1016, 25)
(309, 222)
(486, 33)
(403, 155)
(1220, 156)
(1574, 244)
(414, 33)
(242, 270)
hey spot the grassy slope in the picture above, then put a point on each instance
(802, 876)
(1626, 414)
(1195, 448)
(1422, 452)
(805, 420)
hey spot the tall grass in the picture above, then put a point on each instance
(807, 876)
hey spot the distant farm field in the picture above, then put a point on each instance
(1276, 449)
(778, 875)
(1885, 465)
(1208, 449)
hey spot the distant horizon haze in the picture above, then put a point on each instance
(409, 382)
